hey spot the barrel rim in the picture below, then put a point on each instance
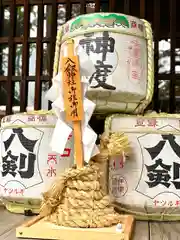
(73, 28)
(103, 13)
(22, 114)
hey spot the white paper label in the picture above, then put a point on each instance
(28, 166)
(151, 176)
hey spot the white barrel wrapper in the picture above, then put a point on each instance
(149, 181)
(27, 165)
(117, 45)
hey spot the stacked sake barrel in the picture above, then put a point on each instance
(120, 48)
(28, 165)
(148, 184)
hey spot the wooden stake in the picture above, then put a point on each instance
(73, 99)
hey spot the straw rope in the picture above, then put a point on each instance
(115, 143)
(38, 112)
(9, 126)
(150, 73)
(14, 206)
(81, 204)
(77, 199)
(162, 216)
(57, 52)
(108, 122)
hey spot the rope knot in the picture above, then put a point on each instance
(116, 143)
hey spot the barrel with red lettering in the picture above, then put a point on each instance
(27, 164)
(121, 49)
(147, 184)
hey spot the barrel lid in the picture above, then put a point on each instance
(149, 114)
(29, 118)
(115, 22)
(148, 123)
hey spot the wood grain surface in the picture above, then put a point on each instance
(142, 230)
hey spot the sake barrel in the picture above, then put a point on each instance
(148, 183)
(28, 165)
(120, 48)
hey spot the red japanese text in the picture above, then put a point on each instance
(14, 191)
(52, 158)
(133, 24)
(52, 161)
(119, 186)
(118, 162)
(166, 203)
(40, 118)
(141, 122)
(51, 172)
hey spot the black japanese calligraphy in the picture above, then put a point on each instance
(100, 75)
(176, 175)
(88, 43)
(22, 164)
(158, 176)
(74, 101)
(71, 72)
(9, 165)
(100, 45)
(26, 143)
(159, 173)
(154, 151)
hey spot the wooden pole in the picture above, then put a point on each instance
(68, 102)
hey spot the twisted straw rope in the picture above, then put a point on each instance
(161, 216)
(57, 52)
(150, 77)
(77, 200)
